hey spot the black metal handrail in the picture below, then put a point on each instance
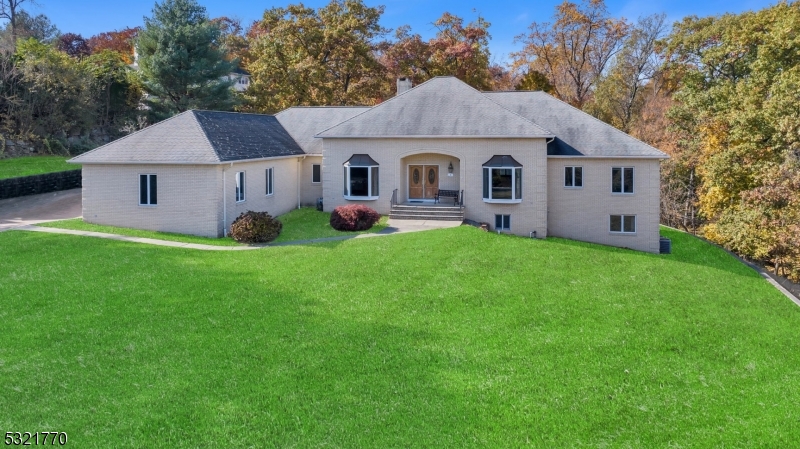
(461, 199)
(393, 201)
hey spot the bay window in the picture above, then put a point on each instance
(361, 178)
(502, 180)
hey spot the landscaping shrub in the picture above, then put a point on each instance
(255, 227)
(354, 217)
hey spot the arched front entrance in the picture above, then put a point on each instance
(424, 174)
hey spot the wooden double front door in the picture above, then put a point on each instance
(423, 182)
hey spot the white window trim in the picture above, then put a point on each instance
(633, 188)
(270, 189)
(320, 174)
(513, 186)
(573, 167)
(139, 190)
(369, 184)
(622, 223)
(243, 190)
(502, 229)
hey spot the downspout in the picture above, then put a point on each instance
(299, 176)
(224, 206)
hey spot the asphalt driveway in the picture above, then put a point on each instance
(31, 209)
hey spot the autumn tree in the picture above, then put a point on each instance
(26, 26)
(117, 41)
(305, 56)
(533, 80)
(457, 49)
(182, 61)
(232, 37)
(738, 111)
(619, 94)
(9, 9)
(73, 44)
(574, 50)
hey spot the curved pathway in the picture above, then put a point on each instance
(394, 227)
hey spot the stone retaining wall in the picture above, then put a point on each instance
(31, 185)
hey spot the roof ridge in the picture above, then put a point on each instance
(538, 127)
(379, 104)
(552, 134)
(619, 131)
(133, 134)
(205, 134)
(231, 112)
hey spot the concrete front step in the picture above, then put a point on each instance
(403, 208)
(427, 217)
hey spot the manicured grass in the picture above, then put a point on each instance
(34, 165)
(447, 338)
(79, 225)
(299, 224)
(308, 223)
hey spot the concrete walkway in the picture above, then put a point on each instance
(31, 209)
(394, 227)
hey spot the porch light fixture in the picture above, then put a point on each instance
(450, 168)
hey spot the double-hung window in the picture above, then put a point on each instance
(270, 181)
(361, 180)
(623, 224)
(573, 177)
(502, 180)
(316, 173)
(239, 186)
(148, 190)
(622, 180)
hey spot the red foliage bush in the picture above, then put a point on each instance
(255, 227)
(354, 217)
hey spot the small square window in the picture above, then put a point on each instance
(502, 222)
(573, 176)
(316, 173)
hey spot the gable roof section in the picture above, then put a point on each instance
(439, 107)
(198, 137)
(304, 122)
(577, 133)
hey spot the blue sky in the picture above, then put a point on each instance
(508, 18)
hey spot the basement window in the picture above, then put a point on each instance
(623, 224)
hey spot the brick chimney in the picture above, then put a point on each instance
(403, 84)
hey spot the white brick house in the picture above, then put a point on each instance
(522, 161)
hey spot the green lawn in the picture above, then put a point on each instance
(299, 224)
(34, 165)
(308, 223)
(79, 225)
(447, 338)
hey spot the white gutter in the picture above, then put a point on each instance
(239, 161)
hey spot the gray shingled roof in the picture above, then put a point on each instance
(440, 107)
(303, 123)
(577, 133)
(198, 137)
